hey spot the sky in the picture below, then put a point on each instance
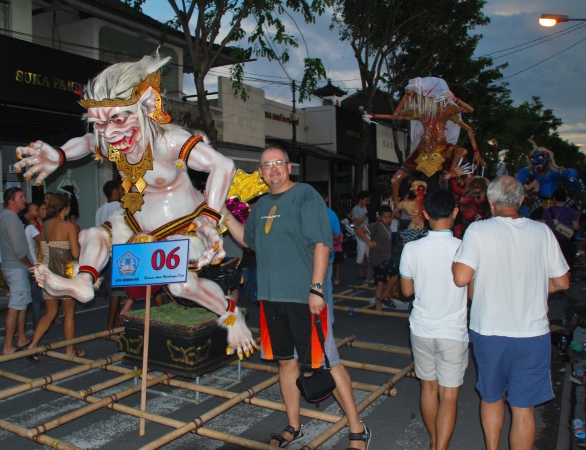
(558, 81)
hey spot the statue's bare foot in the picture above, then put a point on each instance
(239, 336)
(63, 287)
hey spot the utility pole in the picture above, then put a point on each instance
(294, 123)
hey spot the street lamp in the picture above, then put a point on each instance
(550, 20)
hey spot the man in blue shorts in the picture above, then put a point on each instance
(510, 264)
(290, 232)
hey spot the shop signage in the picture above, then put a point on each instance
(37, 76)
(385, 166)
(280, 118)
(48, 81)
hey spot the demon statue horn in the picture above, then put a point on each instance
(125, 106)
(541, 166)
(435, 115)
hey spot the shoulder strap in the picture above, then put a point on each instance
(320, 333)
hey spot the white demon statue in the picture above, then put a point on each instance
(130, 128)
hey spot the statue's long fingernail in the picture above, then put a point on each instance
(247, 354)
(240, 357)
(216, 246)
(228, 350)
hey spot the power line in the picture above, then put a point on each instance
(525, 48)
(543, 60)
(529, 42)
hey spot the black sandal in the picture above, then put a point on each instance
(33, 358)
(284, 443)
(365, 436)
(388, 301)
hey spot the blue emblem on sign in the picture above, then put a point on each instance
(128, 264)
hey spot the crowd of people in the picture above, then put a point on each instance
(504, 262)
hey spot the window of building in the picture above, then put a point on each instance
(5, 18)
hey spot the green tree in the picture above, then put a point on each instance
(212, 27)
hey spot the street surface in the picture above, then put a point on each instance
(395, 421)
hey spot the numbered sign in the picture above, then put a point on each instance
(143, 264)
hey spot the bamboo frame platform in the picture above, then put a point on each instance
(349, 295)
(39, 433)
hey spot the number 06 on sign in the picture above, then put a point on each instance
(145, 264)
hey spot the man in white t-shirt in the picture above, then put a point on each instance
(113, 192)
(439, 336)
(513, 263)
(360, 217)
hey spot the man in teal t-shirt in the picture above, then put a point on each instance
(289, 230)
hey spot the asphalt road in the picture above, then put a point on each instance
(395, 421)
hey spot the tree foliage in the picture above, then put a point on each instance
(212, 27)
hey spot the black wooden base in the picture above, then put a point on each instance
(184, 351)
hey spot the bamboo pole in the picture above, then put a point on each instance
(351, 297)
(206, 432)
(271, 369)
(348, 291)
(269, 404)
(145, 357)
(380, 347)
(41, 429)
(320, 439)
(375, 313)
(371, 388)
(199, 421)
(39, 382)
(61, 344)
(108, 384)
(373, 367)
(45, 440)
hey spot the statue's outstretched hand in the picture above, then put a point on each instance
(38, 158)
(208, 233)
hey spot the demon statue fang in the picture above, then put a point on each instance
(130, 128)
(542, 167)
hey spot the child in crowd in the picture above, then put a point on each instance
(378, 237)
(439, 335)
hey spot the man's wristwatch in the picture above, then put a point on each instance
(316, 286)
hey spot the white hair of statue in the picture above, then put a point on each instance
(118, 81)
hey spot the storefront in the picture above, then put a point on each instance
(388, 157)
(38, 101)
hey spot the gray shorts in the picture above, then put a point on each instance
(20, 288)
(444, 360)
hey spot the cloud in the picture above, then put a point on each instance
(508, 8)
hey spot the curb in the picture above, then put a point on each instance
(563, 441)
